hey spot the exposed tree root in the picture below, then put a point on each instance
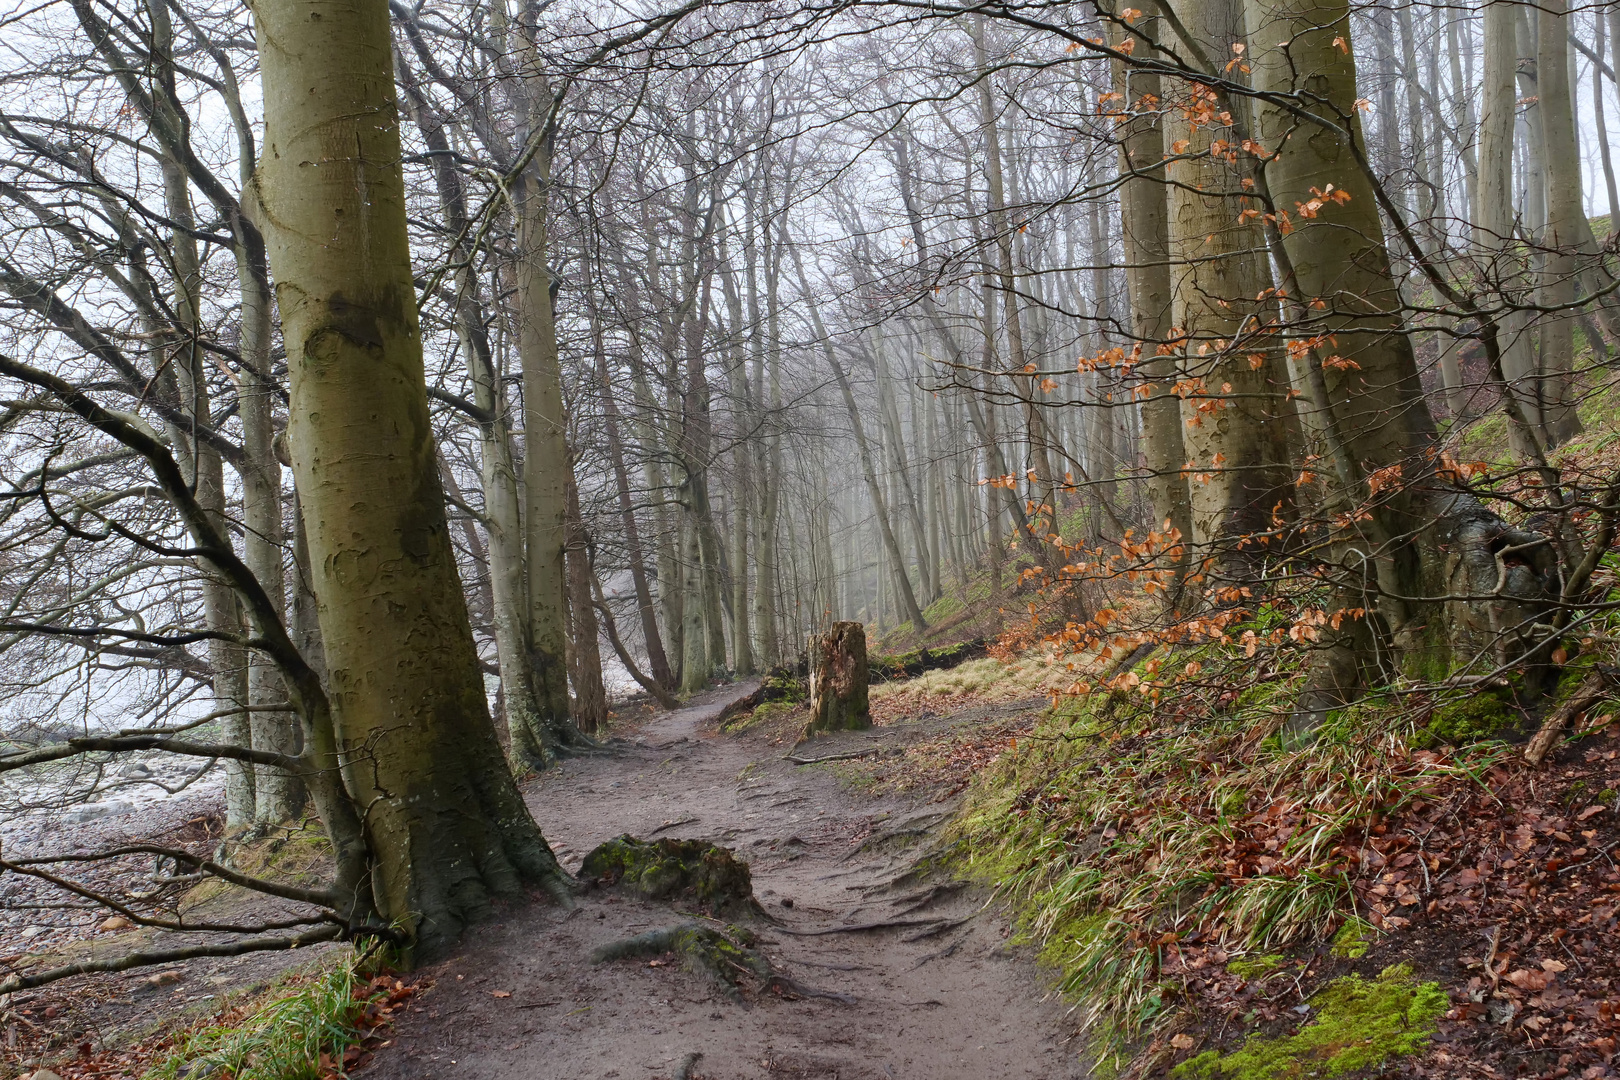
(861, 928)
(726, 957)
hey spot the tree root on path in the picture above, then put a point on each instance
(726, 957)
(851, 756)
(859, 928)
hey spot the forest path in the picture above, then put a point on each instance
(947, 1001)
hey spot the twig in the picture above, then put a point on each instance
(672, 824)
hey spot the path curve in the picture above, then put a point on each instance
(954, 1002)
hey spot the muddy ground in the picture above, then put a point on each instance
(944, 996)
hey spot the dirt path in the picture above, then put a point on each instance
(933, 1001)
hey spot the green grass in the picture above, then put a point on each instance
(1124, 822)
(282, 1039)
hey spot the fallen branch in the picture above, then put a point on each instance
(1592, 689)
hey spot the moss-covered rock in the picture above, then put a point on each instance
(694, 872)
(1475, 718)
(703, 950)
(1358, 1024)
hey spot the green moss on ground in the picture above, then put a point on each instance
(1472, 719)
(762, 714)
(1250, 968)
(1358, 1024)
(695, 872)
(1354, 938)
(703, 950)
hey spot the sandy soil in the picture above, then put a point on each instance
(944, 997)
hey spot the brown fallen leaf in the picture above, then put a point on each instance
(1525, 979)
(500, 993)
(1591, 811)
(116, 922)
(1182, 1041)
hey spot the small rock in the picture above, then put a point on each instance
(28, 933)
(44, 1074)
(787, 901)
(116, 922)
(1499, 1010)
(135, 770)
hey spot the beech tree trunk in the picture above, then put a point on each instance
(1237, 475)
(545, 449)
(1568, 233)
(1145, 211)
(447, 829)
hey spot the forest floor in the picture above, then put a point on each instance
(941, 996)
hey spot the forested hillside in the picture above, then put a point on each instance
(1160, 462)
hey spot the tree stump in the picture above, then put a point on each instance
(838, 681)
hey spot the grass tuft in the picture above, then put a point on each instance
(311, 1018)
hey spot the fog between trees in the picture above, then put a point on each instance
(374, 376)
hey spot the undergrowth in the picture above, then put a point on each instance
(307, 1028)
(1129, 821)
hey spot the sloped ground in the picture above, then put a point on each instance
(939, 995)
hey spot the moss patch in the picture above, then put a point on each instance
(703, 950)
(1354, 938)
(1358, 1024)
(695, 872)
(1250, 968)
(1475, 718)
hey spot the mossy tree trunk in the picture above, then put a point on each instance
(447, 830)
(838, 680)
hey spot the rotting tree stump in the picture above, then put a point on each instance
(838, 681)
